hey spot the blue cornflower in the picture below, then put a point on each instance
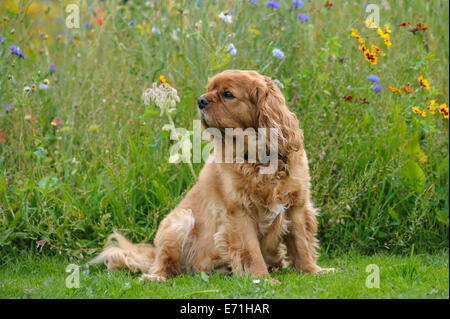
(88, 26)
(278, 53)
(297, 3)
(1, 38)
(373, 78)
(128, 207)
(199, 3)
(273, 4)
(52, 68)
(377, 88)
(132, 23)
(303, 17)
(16, 51)
(232, 49)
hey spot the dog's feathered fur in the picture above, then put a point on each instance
(235, 218)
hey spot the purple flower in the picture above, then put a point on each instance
(373, 78)
(8, 107)
(297, 3)
(303, 17)
(132, 23)
(88, 26)
(278, 53)
(377, 88)
(253, 1)
(342, 59)
(43, 86)
(273, 4)
(16, 51)
(52, 68)
(1, 38)
(128, 206)
(232, 49)
(364, 5)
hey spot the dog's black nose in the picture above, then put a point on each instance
(202, 102)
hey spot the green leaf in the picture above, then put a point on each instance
(412, 176)
(47, 183)
(442, 217)
(40, 152)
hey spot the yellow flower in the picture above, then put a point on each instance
(163, 80)
(371, 57)
(443, 109)
(388, 43)
(432, 108)
(423, 82)
(357, 37)
(377, 50)
(416, 110)
(370, 23)
(386, 29)
(46, 82)
(253, 30)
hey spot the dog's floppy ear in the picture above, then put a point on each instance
(272, 112)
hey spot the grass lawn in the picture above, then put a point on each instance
(421, 276)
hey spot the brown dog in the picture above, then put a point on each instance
(235, 218)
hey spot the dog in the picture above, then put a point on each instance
(235, 219)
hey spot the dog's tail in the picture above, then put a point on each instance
(119, 252)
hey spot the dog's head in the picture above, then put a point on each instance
(246, 99)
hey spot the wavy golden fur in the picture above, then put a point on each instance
(235, 218)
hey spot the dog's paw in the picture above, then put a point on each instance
(273, 281)
(324, 271)
(152, 278)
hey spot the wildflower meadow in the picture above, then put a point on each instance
(95, 94)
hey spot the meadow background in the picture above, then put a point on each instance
(81, 155)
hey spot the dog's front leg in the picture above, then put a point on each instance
(301, 239)
(238, 242)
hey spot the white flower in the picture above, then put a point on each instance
(227, 18)
(165, 97)
(156, 30)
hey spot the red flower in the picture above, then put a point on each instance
(99, 21)
(364, 101)
(98, 11)
(3, 138)
(348, 98)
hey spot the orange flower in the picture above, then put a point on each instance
(407, 90)
(393, 89)
(100, 21)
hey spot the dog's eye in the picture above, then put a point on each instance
(228, 95)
